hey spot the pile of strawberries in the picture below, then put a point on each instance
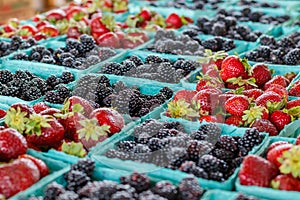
(280, 170)
(257, 99)
(74, 129)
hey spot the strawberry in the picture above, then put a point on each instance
(290, 160)
(280, 118)
(261, 73)
(285, 182)
(234, 120)
(12, 144)
(293, 104)
(279, 80)
(145, 14)
(290, 76)
(297, 140)
(40, 36)
(264, 125)
(186, 95)
(55, 15)
(76, 13)
(276, 144)
(295, 89)
(257, 171)
(252, 93)
(2, 113)
(23, 107)
(43, 130)
(109, 39)
(43, 168)
(174, 21)
(213, 73)
(270, 100)
(212, 59)
(49, 30)
(19, 175)
(236, 105)
(223, 98)
(42, 24)
(99, 27)
(7, 28)
(181, 109)
(73, 103)
(50, 111)
(282, 91)
(255, 112)
(74, 32)
(39, 107)
(110, 117)
(207, 100)
(207, 81)
(208, 118)
(234, 67)
(72, 148)
(70, 122)
(27, 30)
(130, 42)
(277, 152)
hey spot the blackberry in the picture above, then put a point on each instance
(153, 59)
(196, 149)
(227, 143)
(190, 32)
(155, 144)
(47, 59)
(143, 112)
(112, 68)
(121, 195)
(85, 165)
(38, 49)
(87, 42)
(228, 45)
(217, 176)
(189, 66)
(210, 164)
(98, 190)
(148, 195)
(252, 55)
(32, 93)
(189, 189)
(211, 44)
(73, 44)
(20, 56)
(163, 133)
(68, 195)
(199, 135)
(112, 153)
(127, 188)
(67, 77)
(137, 61)
(173, 125)
(10, 91)
(140, 182)
(212, 130)
(103, 91)
(76, 180)
(126, 146)
(292, 57)
(141, 149)
(127, 65)
(104, 80)
(25, 45)
(52, 97)
(236, 162)
(223, 154)
(166, 189)
(86, 80)
(267, 40)
(264, 51)
(176, 156)
(5, 76)
(190, 167)
(177, 141)
(219, 29)
(106, 53)
(53, 190)
(250, 139)
(287, 42)
(36, 56)
(245, 197)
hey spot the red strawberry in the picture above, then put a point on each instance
(213, 73)
(74, 101)
(186, 95)
(277, 152)
(234, 120)
(139, 34)
(23, 108)
(257, 171)
(174, 21)
(279, 80)
(208, 118)
(110, 117)
(212, 59)
(131, 42)
(280, 119)
(19, 175)
(293, 104)
(207, 99)
(40, 36)
(50, 111)
(7, 28)
(44, 131)
(261, 73)
(298, 140)
(49, 30)
(39, 107)
(279, 90)
(76, 13)
(55, 15)
(206, 82)
(276, 144)
(98, 26)
(286, 182)
(264, 125)
(42, 23)
(224, 97)
(236, 105)
(2, 113)
(253, 93)
(271, 97)
(290, 76)
(12, 144)
(145, 14)
(234, 67)
(73, 32)
(295, 89)
(255, 112)
(27, 30)
(43, 168)
(71, 125)
(109, 39)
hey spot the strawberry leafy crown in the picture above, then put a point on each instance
(182, 109)
(36, 122)
(209, 55)
(16, 119)
(73, 148)
(92, 130)
(290, 161)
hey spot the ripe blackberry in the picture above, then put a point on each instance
(104, 80)
(177, 141)
(252, 55)
(235, 163)
(166, 189)
(211, 44)
(173, 125)
(199, 135)
(38, 49)
(223, 154)
(98, 190)
(189, 66)
(73, 44)
(153, 59)
(32, 93)
(87, 42)
(102, 91)
(155, 144)
(245, 197)
(112, 153)
(140, 182)
(127, 188)
(143, 112)
(10, 91)
(20, 56)
(217, 176)
(190, 167)
(210, 164)
(163, 133)
(49, 60)
(112, 68)
(126, 146)
(190, 32)
(25, 45)
(121, 195)
(141, 149)
(105, 53)
(137, 61)
(267, 40)
(127, 65)
(264, 51)
(196, 149)
(53, 190)
(287, 42)
(85, 165)
(67, 77)
(176, 156)
(212, 130)
(148, 195)
(68, 195)
(76, 180)
(15, 43)
(86, 80)
(219, 29)
(250, 139)
(292, 57)
(5, 76)
(227, 143)
(189, 189)
(228, 45)
(53, 81)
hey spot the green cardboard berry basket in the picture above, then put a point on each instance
(268, 193)
(55, 166)
(220, 195)
(163, 173)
